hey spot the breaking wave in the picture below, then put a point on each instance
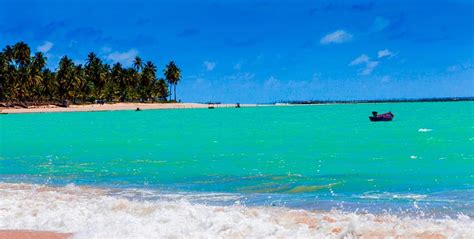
(110, 213)
(393, 196)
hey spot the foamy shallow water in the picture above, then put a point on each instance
(101, 213)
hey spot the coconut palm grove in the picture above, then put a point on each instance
(25, 79)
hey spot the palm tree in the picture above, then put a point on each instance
(65, 78)
(118, 80)
(9, 54)
(50, 85)
(78, 82)
(91, 59)
(138, 74)
(131, 89)
(95, 72)
(8, 74)
(22, 53)
(36, 85)
(160, 90)
(109, 87)
(3, 75)
(137, 63)
(147, 79)
(39, 61)
(172, 75)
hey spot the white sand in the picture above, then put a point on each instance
(117, 106)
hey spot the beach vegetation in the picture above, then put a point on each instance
(25, 79)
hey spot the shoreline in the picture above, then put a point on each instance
(170, 106)
(162, 106)
(118, 106)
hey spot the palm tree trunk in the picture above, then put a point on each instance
(169, 90)
(175, 91)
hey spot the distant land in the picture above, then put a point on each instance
(437, 99)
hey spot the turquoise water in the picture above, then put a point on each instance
(316, 157)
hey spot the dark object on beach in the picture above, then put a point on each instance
(63, 103)
(138, 109)
(237, 105)
(383, 117)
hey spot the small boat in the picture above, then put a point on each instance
(383, 117)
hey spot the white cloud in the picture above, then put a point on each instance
(360, 60)
(384, 53)
(45, 47)
(209, 65)
(369, 68)
(338, 36)
(240, 76)
(126, 58)
(365, 60)
(272, 82)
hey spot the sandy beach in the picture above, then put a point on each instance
(118, 106)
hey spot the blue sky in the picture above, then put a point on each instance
(265, 51)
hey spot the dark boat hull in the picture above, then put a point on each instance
(383, 117)
(374, 119)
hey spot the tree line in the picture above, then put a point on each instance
(403, 100)
(25, 78)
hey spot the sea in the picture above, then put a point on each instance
(309, 171)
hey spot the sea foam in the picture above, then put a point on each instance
(424, 130)
(101, 213)
(407, 196)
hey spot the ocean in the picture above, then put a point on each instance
(275, 171)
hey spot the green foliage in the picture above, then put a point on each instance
(25, 78)
(172, 75)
